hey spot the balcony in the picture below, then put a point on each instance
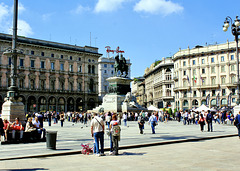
(181, 88)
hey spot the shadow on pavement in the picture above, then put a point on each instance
(132, 154)
(23, 169)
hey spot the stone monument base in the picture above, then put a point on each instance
(12, 109)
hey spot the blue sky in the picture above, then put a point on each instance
(146, 30)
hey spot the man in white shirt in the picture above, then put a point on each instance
(40, 130)
(97, 131)
(153, 121)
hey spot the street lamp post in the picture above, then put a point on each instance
(236, 32)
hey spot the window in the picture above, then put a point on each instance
(61, 56)
(223, 92)
(222, 58)
(79, 68)
(222, 68)
(194, 62)
(213, 80)
(213, 92)
(9, 61)
(93, 61)
(203, 61)
(62, 67)
(234, 91)
(203, 81)
(232, 57)
(105, 71)
(232, 67)
(204, 93)
(185, 83)
(184, 63)
(79, 87)
(42, 54)
(89, 69)
(32, 64)
(52, 66)
(105, 88)
(185, 94)
(194, 93)
(112, 72)
(89, 60)
(233, 79)
(184, 72)
(42, 64)
(212, 70)
(223, 80)
(212, 60)
(21, 61)
(79, 59)
(105, 65)
(52, 55)
(112, 66)
(203, 71)
(32, 52)
(194, 72)
(70, 57)
(71, 68)
(93, 69)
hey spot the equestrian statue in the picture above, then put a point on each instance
(121, 65)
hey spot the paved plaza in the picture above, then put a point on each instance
(72, 135)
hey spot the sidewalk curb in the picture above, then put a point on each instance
(123, 147)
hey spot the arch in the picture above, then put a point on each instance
(61, 104)
(213, 102)
(42, 103)
(52, 103)
(195, 103)
(185, 103)
(224, 102)
(204, 102)
(79, 104)
(31, 107)
(70, 104)
(91, 103)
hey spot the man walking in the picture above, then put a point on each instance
(153, 121)
(97, 131)
(209, 121)
(237, 123)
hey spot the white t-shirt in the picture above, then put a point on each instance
(36, 124)
(95, 124)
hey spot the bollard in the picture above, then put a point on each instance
(51, 138)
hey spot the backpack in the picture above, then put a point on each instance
(116, 130)
(209, 116)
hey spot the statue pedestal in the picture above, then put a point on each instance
(118, 88)
(12, 109)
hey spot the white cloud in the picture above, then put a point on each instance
(80, 9)
(46, 17)
(3, 11)
(163, 7)
(6, 18)
(108, 5)
(24, 29)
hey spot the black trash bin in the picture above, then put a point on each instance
(51, 138)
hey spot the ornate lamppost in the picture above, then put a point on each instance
(236, 32)
(12, 107)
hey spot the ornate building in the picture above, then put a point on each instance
(205, 75)
(159, 84)
(138, 90)
(106, 70)
(51, 76)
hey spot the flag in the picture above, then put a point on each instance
(188, 78)
(218, 99)
(194, 79)
(207, 99)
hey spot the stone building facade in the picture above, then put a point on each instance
(159, 84)
(206, 75)
(51, 76)
(138, 90)
(106, 70)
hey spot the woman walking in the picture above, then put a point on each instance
(201, 122)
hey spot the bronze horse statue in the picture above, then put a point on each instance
(120, 65)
